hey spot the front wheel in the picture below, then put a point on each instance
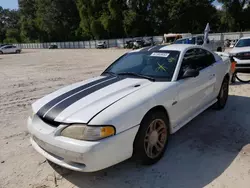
(223, 95)
(152, 138)
(1, 52)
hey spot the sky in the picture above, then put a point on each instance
(12, 4)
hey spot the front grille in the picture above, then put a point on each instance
(243, 65)
(243, 56)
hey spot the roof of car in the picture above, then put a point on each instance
(245, 38)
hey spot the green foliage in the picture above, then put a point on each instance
(8, 23)
(236, 14)
(69, 20)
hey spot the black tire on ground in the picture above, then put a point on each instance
(223, 95)
(18, 51)
(1, 52)
(148, 141)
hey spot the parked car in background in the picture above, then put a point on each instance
(142, 42)
(101, 44)
(129, 44)
(233, 42)
(199, 40)
(227, 43)
(9, 49)
(241, 54)
(53, 46)
(171, 38)
(131, 109)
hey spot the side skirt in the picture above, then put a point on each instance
(177, 127)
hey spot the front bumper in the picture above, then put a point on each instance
(84, 156)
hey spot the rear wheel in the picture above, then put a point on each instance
(152, 138)
(18, 51)
(1, 52)
(223, 95)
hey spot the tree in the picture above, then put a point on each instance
(90, 12)
(8, 23)
(29, 28)
(57, 20)
(233, 14)
(192, 15)
(12, 36)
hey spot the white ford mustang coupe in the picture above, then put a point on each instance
(131, 109)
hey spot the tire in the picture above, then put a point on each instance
(223, 95)
(18, 51)
(153, 133)
(1, 52)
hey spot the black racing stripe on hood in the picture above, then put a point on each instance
(54, 112)
(58, 99)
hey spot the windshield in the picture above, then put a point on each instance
(185, 41)
(243, 43)
(157, 65)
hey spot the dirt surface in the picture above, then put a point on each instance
(211, 151)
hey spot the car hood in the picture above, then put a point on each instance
(239, 49)
(80, 102)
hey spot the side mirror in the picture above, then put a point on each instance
(190, 73)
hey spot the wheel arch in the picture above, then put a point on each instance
(155, 109)
(158, 108)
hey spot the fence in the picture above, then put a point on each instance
(120, 43)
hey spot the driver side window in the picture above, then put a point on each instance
(197, 59)
(188, 62)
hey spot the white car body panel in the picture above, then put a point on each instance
(9, 49)
(236, 50)
(86, 155)
(122, 103)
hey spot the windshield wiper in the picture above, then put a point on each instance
(136, 74)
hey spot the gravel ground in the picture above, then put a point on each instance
(211, 151)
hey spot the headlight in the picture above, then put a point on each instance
(88, 133)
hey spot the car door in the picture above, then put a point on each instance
(12, 49)
(7, 49)
(193, 93)
(4, 49)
